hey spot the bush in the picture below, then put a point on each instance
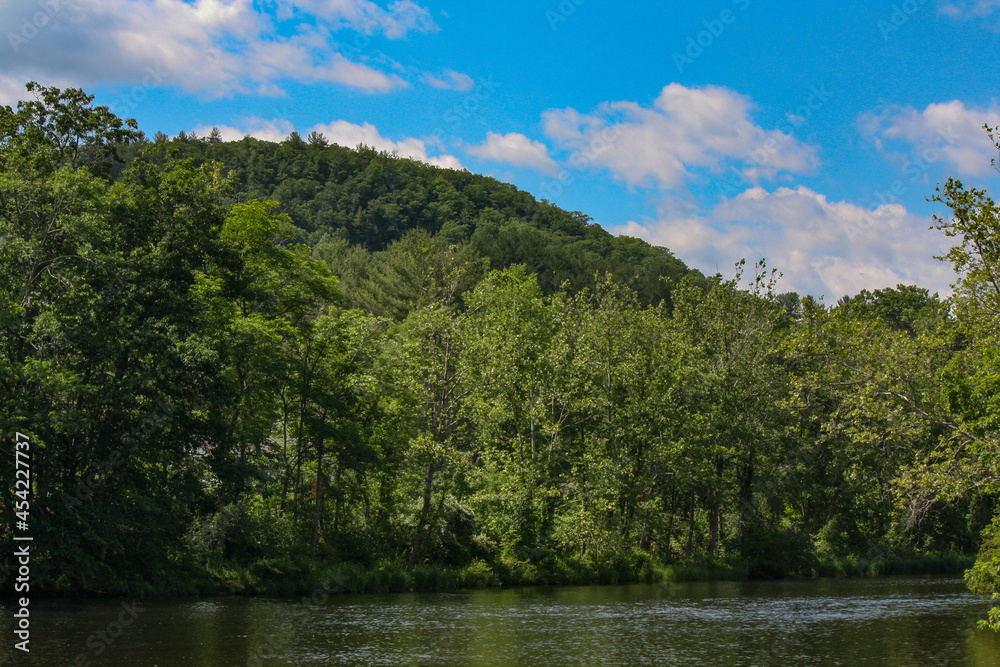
(478, 574)
(838, 539)
(241, 532)
(771, 553)
(984, 576)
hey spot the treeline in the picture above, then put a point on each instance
(216, 405)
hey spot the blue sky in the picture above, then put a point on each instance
(808, 133)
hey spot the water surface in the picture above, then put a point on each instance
(885, 621)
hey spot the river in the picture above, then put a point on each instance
(875, 621)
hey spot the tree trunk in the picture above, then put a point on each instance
(366, 500)
(690, 543)
(746, 497)
(284, 453)
(716, 520)
(340, 499)
(424, 511)
(298, 460)
(319, 491)
(670, 523)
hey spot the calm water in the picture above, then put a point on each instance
(889, 621)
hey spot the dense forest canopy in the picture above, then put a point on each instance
(245, 363)
(360, 198)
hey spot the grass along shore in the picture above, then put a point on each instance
(285, 578)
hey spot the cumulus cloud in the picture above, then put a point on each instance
(214, 48)
(948, 133)
(822, 247)
(349, 134)
(517, 150)
(685, 131)
(450, 80)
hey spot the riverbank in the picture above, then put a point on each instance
(284, 578)
(293, 577)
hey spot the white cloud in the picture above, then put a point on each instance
(349, 134)
(269, 130)
(948, 132)
(450, 80)
(686, 130)
(214, 48)
(516, 149)
(401, 17)
(339, 132)
(965, 9)
(822, 247)
(12, 90)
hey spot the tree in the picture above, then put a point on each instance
(317, 139)
(99, 358)
(413, 272)
(903, 308)
(258, 294)
(294, 140)
(60, 128)
(507, 334)
(735, 336)
(968, 458)
(434, 384)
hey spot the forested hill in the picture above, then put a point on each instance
(370, 198)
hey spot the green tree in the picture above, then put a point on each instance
(100, 361)
(258, 294)
(737, 391)
(967, 457)
(508, 331)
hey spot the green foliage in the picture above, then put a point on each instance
(903, 308)
(241, 533)
(773, 552)
(372, 199)
(60, 128)
(413, 272)
(299, 368)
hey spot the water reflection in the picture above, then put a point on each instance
(890, 621)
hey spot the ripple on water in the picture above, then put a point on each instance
(883, 622)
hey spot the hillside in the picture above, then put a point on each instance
(371, 198)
